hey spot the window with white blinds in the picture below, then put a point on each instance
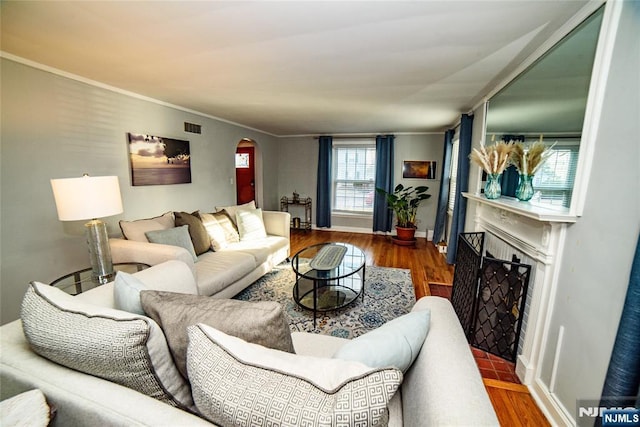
(553, 182)
(354, 172)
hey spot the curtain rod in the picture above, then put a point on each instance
(351, 136)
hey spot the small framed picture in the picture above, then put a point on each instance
(419, 169)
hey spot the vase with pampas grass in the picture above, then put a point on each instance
(528, 161)
(493, 159)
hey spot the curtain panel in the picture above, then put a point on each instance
(443, 196)
(323, 190)
(382, 215)
(460, 207)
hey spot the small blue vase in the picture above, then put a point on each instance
(492, 188)
(524, 192)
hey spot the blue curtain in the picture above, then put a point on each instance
(443, 196)
(323, 192)
(623, 376)
(382, 215)
(510, 177)
(462, 185)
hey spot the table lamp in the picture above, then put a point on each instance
(91, 197)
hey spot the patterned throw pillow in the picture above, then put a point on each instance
(220, 229)
(239, 383)
(111, 344)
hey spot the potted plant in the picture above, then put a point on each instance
(404, 202)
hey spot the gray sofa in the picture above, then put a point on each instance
(442, 387)
(222, 273)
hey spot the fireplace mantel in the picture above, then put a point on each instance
(526, 209)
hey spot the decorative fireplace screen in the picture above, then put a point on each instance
(489, 297)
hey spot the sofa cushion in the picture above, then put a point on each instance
(135, 230)
(396, 343)
(217, 270)
(127, 288)
(177, 236)
(197, 231)
(250, 224)
(26, 409)
(126, 349)
(260, 249)
(271, 387)
(231, 210)
(220, 229)
(261, 322)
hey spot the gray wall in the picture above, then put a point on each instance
(55, 127)
(596, 262)
(299, 163)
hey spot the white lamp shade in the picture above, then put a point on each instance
(88, 197)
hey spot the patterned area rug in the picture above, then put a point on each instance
(388, 294)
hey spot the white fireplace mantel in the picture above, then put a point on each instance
(538, 232)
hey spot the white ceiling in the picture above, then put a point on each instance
(291, 68)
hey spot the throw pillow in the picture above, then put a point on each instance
(220, 228)
(261, 322)
(231, 210)
(197, 232)
(127, 288)
(396, 343)
(250, 224)
(29, 408)
(135, 230)
(177, 236)
(111, 344)
(239, 383)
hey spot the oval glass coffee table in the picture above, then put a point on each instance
(329, 276)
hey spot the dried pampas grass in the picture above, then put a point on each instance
(494, 159)
(529, 160)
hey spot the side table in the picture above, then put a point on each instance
(82, 280)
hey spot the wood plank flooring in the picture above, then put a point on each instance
(512, 402)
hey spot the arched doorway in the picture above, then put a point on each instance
(247, 171)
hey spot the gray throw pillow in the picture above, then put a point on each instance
(262, 323)
(178, 236)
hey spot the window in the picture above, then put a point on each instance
(354, 171)
(454, 176)
(553, 183)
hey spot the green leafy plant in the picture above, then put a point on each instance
(404, 202)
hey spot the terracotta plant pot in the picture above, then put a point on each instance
(404, 233)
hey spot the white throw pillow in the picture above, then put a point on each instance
(250, 224)
(120, 347)
(396, 343)
(135, 230)
(238, 383)
(231, 210)
(220, 229)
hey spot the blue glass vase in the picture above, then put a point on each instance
(492, 188)
(524, 192)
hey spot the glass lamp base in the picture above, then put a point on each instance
(99, 251)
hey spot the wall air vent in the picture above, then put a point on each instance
(192, 128)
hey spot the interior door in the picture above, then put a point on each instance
(245, 175)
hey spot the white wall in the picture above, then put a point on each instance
(299, 165)
(597, 258)
(55, 127)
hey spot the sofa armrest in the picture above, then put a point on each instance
(148, 253)
(444, 386)
(277, 223)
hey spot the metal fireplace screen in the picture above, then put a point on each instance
(489, 296)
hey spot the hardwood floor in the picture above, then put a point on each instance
(427, 265)
(512, 402)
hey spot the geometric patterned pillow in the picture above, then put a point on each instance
(120, 347)
(239, 383)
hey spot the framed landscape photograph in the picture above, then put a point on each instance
(156, 160)
(419, 169)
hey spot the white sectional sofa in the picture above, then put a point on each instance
(223, 272)
(442, 387)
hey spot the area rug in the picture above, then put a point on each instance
(389, 294)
